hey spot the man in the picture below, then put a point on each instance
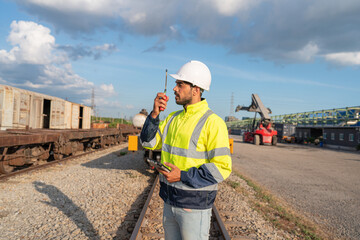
(195, 145)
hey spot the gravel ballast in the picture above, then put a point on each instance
(87, 198)
(92, 198)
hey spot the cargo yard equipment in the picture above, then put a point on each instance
(261, 131)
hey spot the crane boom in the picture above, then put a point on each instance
(263, 132)
(256, 106)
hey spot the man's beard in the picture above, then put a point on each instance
(184, 101)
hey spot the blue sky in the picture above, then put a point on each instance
(298, 56)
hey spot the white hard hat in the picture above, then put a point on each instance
(194, 72)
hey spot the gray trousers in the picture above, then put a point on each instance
(186, 224)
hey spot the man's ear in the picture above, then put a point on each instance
(196, 90)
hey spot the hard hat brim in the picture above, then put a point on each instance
(178, 77)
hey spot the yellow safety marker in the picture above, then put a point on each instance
(231, 142)
(133, 143)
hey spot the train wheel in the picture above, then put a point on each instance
(5, 168)
(256, 139)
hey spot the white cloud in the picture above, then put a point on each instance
(108, 90)
(32, 43)
(344, 58)
(105, 103)
(105, 47)
(2, 80)
(232, 7)
(36, 63)
(305, 54)
(137, 18)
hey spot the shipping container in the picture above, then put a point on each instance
(23, 109)
(285, 132)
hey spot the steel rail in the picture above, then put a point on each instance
(221, 224)
(136, 232)
(137, 235)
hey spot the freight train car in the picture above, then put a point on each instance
(22, 109)
(36, 128)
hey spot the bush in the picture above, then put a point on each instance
(358, 147)
(310, 139)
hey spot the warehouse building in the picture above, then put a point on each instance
(332, 136)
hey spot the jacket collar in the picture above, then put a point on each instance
(199, 106)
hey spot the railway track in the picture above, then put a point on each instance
(149, 223)
(47, 164)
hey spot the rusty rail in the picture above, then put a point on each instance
(217, 229)
(137, 233)
(220, 223)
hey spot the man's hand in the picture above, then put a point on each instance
(160, 101)
(174, 175)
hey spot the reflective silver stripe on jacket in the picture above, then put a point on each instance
(196, 133)
(152, 142)
(191, 153)
(180, 185)
(214, 171)
(166, 129)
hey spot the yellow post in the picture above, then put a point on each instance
(231, 142)
(133, 143)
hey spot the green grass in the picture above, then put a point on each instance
(122, 153)
(233, 184)
(112, 121)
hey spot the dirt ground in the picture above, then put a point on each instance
(321, 183)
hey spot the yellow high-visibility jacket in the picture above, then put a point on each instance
(196, 141)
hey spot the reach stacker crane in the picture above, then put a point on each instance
(262, 131)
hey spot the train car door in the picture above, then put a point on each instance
(6, 108)
(81, 115)
(75, 116)
(57, 116)
(46, 113)
(67, 115)
(86, 117)
(24, 117)
(16, 110)
(36, 112)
